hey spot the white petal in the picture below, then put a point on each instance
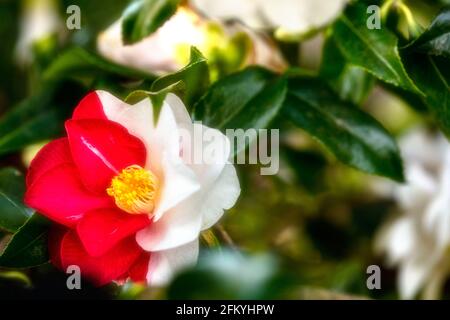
(157, 53)
(138, 118)
(398, 239)
(219, 182)
(246, 11)
(178, 180)
(178, 226)
(420, 189)
(184, 222)
(164, 264)
(179, 184)
(207, 154)
(111, 46)
(412, 276)
(437, 220)
(179, 110)
(437, 216)
(222, 195)
(422, 147)
(292, 16)
(295, 16)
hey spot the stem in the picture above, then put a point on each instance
(225, 236)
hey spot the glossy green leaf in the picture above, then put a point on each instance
(249, 99)
(194, 75)
(28, 247)
(143, 17)
(228, 97)
(436, 39)
(157, 97)
(13, 213)
(77, 62)
(39, 117)
(432, 76)
(354, 137)
(351, 82)
(373, 50)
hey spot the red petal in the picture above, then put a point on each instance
(89, 108)
(60, 195)
(51, 155)
(138, 271)
(56, 234)
(101, 149)
(100, 230)
(99, 270)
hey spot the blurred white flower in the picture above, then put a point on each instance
(288, 17)
(418, 240)
(39, 20)
(167, 49)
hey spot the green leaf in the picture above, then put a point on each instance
(351, 82)
(77, 62)
(13, 213)
(28, 247)
(230, 275)
(227, 97)
(194, 75)
(157, 97)
(249, 99)
(354, 137)
(432, 77)
(373, 50)
(436, 39)
(308, 166)
(39, 117)
(143, 17)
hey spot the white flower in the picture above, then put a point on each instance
(286, 16)
(167, 49)
(418, 241)
(39, 20)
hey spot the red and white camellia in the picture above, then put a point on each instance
(127, 199)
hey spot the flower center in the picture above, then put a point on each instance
(134, 190)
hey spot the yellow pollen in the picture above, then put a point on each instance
(134, 190)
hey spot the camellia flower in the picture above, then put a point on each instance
(126, 195)
(287, 17)
(233, 45)
(418, 240)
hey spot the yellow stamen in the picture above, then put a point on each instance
(134, 190)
